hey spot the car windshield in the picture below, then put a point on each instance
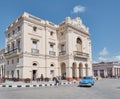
(87, 78)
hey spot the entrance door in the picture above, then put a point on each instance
(52, 73)
(34, 74)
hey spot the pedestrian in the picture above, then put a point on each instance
(56, 81)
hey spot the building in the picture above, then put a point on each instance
(36, 47)
(106, 69)
(2, 63)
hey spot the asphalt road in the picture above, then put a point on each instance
(103, 89)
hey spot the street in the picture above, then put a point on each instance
(103, 89)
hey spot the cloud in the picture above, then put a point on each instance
(102, 59)
(104, 52)
(79, 9)
(108, 59)
(115, 58)
(95, 61)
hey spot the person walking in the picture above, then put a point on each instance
(56, 81)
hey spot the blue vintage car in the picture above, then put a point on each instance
(87, 81)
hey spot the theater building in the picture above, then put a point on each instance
(35, 46)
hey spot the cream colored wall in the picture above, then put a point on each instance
(43, 59)
(41, 35)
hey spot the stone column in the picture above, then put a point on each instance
(68, 73)
(118, 72)
(105, 73)
(77, 73)
(113, 73)
(98, 73)
(83, 71)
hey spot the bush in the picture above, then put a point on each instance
(27, 80)
(15, 79)
(47, 79)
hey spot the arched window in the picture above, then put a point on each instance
(52, 65)
(34, 64)
(79, 41)
(79, 44)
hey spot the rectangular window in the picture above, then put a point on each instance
(8, 48)
(17, 60)
(34, 49)
(95, 73)
(51, 33)
(51, 47)
(8, 62)
(34, 44)
(13, 32)
(34, 28)
(63, 47)
(63, 51)
(102, 73)
(13, 46)
(12, 61)
(18, 28)
(18, 44)
(8, 35)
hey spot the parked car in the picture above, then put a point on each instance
(87, 81)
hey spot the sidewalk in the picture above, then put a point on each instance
(34, 83)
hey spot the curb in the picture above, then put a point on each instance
(34, 85)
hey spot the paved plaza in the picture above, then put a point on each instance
(35, 83)
(103, 89)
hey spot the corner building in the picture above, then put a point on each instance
(35, 46)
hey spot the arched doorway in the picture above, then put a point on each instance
(34, 71)
(80, 70)
(52, 71)
(86, 69)
(74, 70)
(63, 71)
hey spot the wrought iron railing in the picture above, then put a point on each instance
(62, 53)
(52, 53)
(16, 50)
(76, 53)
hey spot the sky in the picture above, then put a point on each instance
(101, 16)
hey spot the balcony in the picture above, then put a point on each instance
(12, 37)
(34, 51)
(80, 54)
(62, 53)
(52, 53)
(12, 53)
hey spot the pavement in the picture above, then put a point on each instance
(103, 89)
(34, 83)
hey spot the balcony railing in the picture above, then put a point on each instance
(52, 53)
(14, 51)
(62, 53)
(81, 54)
(34, 51)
